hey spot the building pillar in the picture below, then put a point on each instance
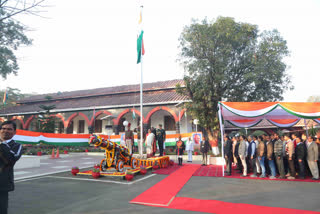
(178, 127)
(115, 129)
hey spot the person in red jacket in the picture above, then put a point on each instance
(180, 147)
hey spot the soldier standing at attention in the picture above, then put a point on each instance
(161, 138)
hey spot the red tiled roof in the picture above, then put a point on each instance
(87, 99)
(105, 91)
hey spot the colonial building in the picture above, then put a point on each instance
(105, 109)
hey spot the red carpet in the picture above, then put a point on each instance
(220, 207)
(216, 171)
(168, 170)
(163, 192)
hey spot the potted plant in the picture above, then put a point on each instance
(129, 175)
(75, 170)
(96, 173)
(86, 150)
(143, 170)
(39, 153)
(65, 152)
(155, 166)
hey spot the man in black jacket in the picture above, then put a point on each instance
(161, 138)
(301, 154)
(236, 153)
(204, 149)
(228, 153)
(10, 152)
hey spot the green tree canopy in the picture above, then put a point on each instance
(45, 119)
(12, 32)
(314, 98)
(230, 61)
(14, 95)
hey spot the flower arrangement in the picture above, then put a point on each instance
(155, 166)
(95, 173)
(75, 170)
(143, 170)
(129, 172)
(95, 170)
(129, 175)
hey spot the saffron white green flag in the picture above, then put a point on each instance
(140, 45)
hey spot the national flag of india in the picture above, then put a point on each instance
(140, 45)
(5, 97)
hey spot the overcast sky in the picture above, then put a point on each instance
(92, 44)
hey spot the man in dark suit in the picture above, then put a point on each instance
(301, 153)
(161, 138)
(204, 149)
(10, 152)
(228, 153)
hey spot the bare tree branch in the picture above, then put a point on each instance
(14, 10)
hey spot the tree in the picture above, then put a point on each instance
(314, 99)
(46, 121)
(230, 61)
(12, 32)
(13, 96)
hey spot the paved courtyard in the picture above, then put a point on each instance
(63, 193)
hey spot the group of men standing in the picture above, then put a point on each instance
(288, 156)
(153, 137)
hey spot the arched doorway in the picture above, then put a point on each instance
(165, 118)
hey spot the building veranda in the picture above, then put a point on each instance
(105, 109)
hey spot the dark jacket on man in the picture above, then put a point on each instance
(9, 154)
(204, 146)
(228, 149)
(301, 151)
(236, 149)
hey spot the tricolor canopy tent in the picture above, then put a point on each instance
(281, 114)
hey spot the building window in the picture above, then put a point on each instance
(98, 126)
(70, 128)
(169, 123)
(33, 126)
(81, 126)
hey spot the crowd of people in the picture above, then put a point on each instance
(289, 156)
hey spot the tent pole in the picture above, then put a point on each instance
(305, 124)
(222, 136)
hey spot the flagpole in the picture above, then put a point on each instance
(141, 100)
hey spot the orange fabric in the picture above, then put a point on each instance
(302, 107)
(28, 133)
(284, 121)
(249, 106)
(244, 120)
(54, 135)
